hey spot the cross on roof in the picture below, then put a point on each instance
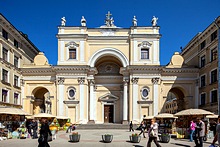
(108, 15)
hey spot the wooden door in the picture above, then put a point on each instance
(108, 113)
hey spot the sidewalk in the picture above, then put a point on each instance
(93, 138)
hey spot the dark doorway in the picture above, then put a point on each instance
(108, 113)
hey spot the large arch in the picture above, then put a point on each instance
(111, 52)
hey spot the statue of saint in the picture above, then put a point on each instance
(83, 21)
(154, 21)
(63, 21)
(134, 21)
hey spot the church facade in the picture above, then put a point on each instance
(107, 74)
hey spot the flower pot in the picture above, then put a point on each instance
(135, 139)
(74, 138)
(107, 138)
(165, 138)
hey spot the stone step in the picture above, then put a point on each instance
(103, 126)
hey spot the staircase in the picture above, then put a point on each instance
(104, 126)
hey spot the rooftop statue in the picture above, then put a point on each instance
(134, 21)
(83, 21)
(154, 21)
(109, 20)
(63, 21)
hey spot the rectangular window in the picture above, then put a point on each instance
(203, 97)
(213, 35)
(16, 43)
(16, 80)
(214, 76)
(16, 61)
(4, 95)
(214, 54)
(5, 76)
(202, 60)
(214, 96)
(144, 53)
(15, 98)
(5, 34)
(5, 54)
(72, 53)
(202, 44)
(202, 81)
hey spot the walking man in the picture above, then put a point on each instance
(200, 132)
(131, 127)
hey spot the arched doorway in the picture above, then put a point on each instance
(108, 83)
(175, 100)
(41, 101)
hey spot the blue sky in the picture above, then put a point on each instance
(179, 20)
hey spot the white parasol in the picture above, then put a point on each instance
(193, 112)
(11, 110)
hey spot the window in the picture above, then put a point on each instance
(5, 54)
(5, 76)
(72, 53)
(144, 93)
(16, 61)
(16, 43)
(213, 35)
(214, 96)
(4, 95)
(16, 80)
(144, 53)
(203, 81)
(71, 93)
(202, 60)
(203, 97)
(214, 76)
(214, 54)
(203, 44)
(15, 98)
(5, 34)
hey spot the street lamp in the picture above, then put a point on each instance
(216, 24)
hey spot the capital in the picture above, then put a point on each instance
(81, 80)
(155, 80)
(134, 80)
(60, 80)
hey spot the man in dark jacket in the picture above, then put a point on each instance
(34, 127)
(44, 131)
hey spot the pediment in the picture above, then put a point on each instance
(108, 97)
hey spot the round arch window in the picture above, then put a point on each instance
(145, 93)
(71, 93)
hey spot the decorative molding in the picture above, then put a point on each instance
(145, 102)
(91, 82)
(155, 80)
(125, 82)
(144, 44)
(60, 80)
(134, 80)
(81, 80)
(108, 97)
(72, 44)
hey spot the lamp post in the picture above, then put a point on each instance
(218, 27)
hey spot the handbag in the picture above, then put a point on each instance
(152, 133)
(41, 139)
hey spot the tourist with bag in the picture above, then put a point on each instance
(153, 133)
(44, 131)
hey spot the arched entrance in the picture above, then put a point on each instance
(41, 101)
(109, 89)
(175, 100)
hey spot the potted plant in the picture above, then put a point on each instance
(165, 137)
(135, 138)
(74, 137)
(107, 138)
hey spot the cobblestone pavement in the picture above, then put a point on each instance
(93, 138)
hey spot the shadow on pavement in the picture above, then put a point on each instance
(178, 144)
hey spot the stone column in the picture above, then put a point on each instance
(81, 81)
(135, 98)
(60, 89)
(91, 101)
(196, 105)
(22, 92)
(155, 82)
(125, 102)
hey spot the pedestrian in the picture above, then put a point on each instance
(69, 128)
(143, 127)
(34, 127)
(217, 135)
(153, 133)
(199, 132)
(29, 127)
(44, 131)
(131, 127)
(192, 130)
(212, 127)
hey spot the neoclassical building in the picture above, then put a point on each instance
(107, 74)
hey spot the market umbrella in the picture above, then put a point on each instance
(212, 116)
(62, 117)
(165, 115)
(11, 110)
(193, 112)
(45, 115)
(149, 117)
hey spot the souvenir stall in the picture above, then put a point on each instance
(184, 118)
(62, 120)
(147, 121)
(11, 119)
